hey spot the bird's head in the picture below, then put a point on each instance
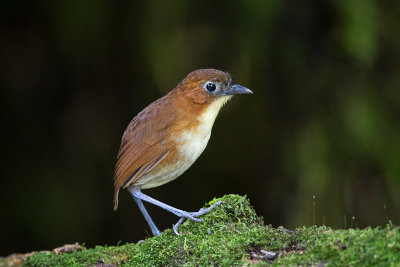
(205, 86)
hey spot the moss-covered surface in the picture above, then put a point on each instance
(232, 234)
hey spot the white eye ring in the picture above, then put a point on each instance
(210, 86)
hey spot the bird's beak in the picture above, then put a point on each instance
(237, 89)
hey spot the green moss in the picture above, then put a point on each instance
(233, 234)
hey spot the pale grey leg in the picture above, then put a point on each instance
(200, 212)
(180, 213)
(146, 215)
(177, 212)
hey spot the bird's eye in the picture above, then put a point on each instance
(211, 87)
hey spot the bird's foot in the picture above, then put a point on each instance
(193, 215)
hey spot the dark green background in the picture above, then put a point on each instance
(324, 119)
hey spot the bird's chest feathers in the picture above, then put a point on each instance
(193, 141)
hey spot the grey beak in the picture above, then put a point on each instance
(237, 89)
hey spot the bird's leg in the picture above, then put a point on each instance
(200, 212)
(146, 215)
(180, 213)
(177, 212)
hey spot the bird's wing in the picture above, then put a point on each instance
(144, 144)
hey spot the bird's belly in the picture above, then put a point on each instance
(191, 144)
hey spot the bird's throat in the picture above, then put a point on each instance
(193, 141)
(210, 113)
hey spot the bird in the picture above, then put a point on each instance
(166, 138)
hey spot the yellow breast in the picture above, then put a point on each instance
(192, 142)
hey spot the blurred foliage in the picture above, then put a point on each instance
(324, 119)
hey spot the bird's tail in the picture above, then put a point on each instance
(116, 198)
